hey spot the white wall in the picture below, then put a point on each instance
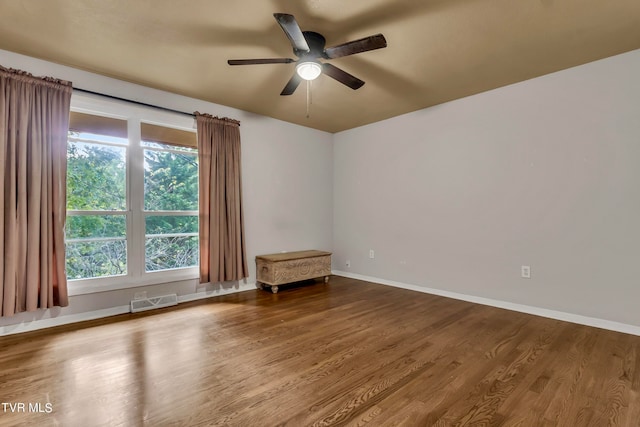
(543, 173)
(287, 188)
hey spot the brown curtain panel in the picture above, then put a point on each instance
(34, 120)
(222, 248)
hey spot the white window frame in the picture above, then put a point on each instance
(135, 215)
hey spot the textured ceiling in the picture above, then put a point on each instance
(438, 50)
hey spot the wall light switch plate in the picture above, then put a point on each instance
(372, 254)
(525, 272)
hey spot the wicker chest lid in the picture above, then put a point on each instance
(287, 256)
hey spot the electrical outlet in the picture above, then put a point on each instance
(525, 272)
(372, 254)
(348, 263)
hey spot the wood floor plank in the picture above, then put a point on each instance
(344, 353)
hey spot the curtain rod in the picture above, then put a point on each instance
(171, 110)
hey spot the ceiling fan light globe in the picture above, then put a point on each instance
(308, 70)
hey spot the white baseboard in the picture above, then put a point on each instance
(543, 312)
(114, 311)
(50, 322)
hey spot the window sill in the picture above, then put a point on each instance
(115, 283)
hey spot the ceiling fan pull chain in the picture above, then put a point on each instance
(308, 97)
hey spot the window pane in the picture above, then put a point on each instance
(165, 247)
(170, 181)
(92, 226)
(161, 224)
(96, 176)
(96, 259)
(96, 246)
(163, 253)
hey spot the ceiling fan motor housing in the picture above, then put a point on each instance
(316, 44)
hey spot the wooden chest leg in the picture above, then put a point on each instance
(326, 279)
(274, 289)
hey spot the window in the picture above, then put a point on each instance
(96, 238)
(170, 203)
(132, 203)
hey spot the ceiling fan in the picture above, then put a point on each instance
(308, 46)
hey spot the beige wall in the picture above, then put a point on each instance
(543, 173)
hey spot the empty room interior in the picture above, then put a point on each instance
(314, 213)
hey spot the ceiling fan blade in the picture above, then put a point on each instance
(342, 76)
(260, 61)
(291, 85)
(293, 31)
(357, 46)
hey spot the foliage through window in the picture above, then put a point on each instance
(96, 243)
(171, 206)
(110, 231)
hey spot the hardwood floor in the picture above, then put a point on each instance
(347, 353)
